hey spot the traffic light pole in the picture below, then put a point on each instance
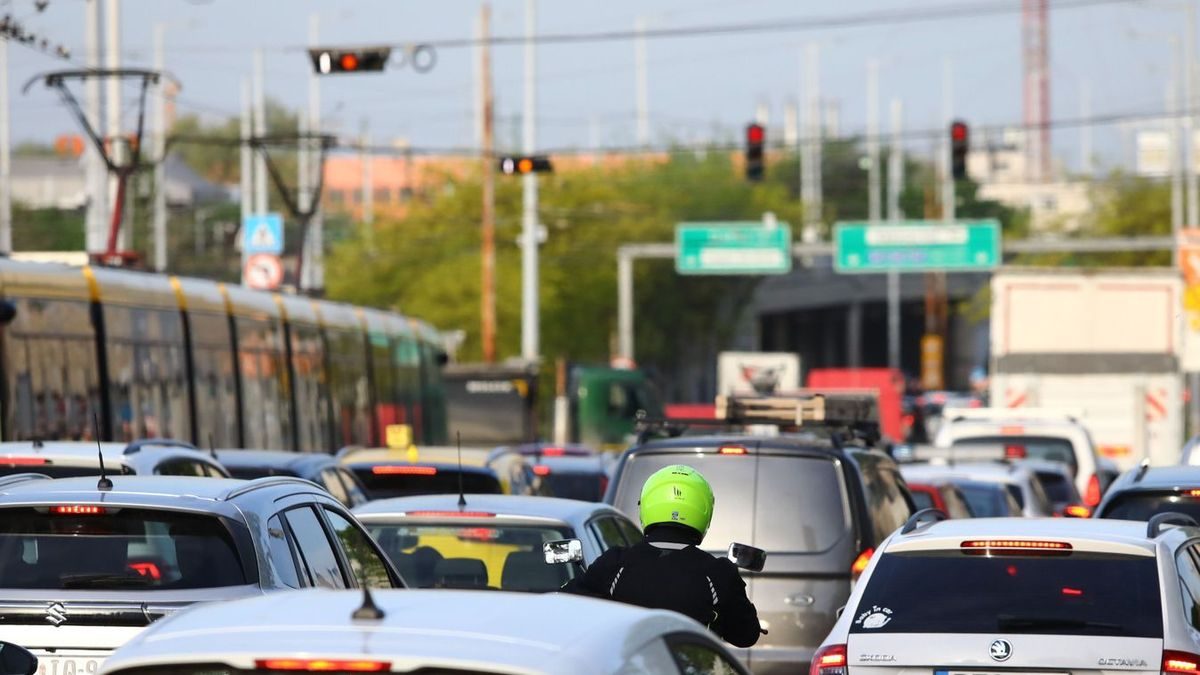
(529, 235)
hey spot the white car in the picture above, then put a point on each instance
(1058, 595)
(68, 459)
(1033, 434)
(1019, 480)
(423, 631)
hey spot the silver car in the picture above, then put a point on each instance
(1020, 481)
(1056, 595)
(148, 457)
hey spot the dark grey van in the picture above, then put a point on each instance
(819, 511)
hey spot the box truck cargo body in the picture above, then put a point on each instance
(1105, 344)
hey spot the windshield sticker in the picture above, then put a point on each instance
(876, 617)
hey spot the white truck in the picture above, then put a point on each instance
(1106, 343)
(757, 372)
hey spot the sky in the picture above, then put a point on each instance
(700, 87)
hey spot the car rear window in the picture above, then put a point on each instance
(801, 501)
(985, 500)
(1137, 505)
(1058, 488)
(1048, 448)
(252, 472)
(59, 470)
(1061, 594)
(106, 548)
(436, 482)
(922, 498)
(588, 487)
(458, 555)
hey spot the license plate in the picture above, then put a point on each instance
(68, 665)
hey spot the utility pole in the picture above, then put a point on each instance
(313, 248)
(368, 187)
(1085, 131)
(1189, 119)
(895, 186)
(791, 126)
(529, 221)
(260, 129)
(112, 61)
(160, 152)
(874, 198)
(810, 152)
(643, 88)
(487, 211)
(96, 173)
(5, 156)
(1174, 141)
(247, 157)
(948, 196)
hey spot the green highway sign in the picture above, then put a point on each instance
(916, 246)
(733, 248)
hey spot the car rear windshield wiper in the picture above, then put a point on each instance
(105, 580)
(1043, 623)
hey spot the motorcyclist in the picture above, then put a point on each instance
(667, 570)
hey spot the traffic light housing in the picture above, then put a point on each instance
(960, 141)
(330, 61)
(525, 164)
(756, 136)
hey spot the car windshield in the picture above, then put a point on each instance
(800, 506)
(455, 555)
(59, 470)
(383, 482)
(1049, 448)
(985, 500)
(1061, 594)
(95, 547)
(1146, 505)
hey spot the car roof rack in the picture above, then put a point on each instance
(137, 446)
(930, 516)
(15, 478)
(1155, 526)
(1141, 470)
(1010, 414)
(853, 414)
(266, 482)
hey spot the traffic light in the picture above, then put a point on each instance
(524, 165)
(959, 143)
(756, 136)
(327, 61)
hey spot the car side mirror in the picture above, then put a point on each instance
(747, 557)
(563, 551)
(16, 660)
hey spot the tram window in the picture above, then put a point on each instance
(147, 372)
(408, 376)
(51, 373)
(215, 386)
(312, 390)
(265, 413)
(387, 390)
(351, 398)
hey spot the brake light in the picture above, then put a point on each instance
(1192, 493)
(1077, 511)
(553, 452)
(450, 514)
(829, 660)
(1091, 496)
(1179, 662)
(404, 470)
(1013, 545)
(860, 563)
(1012, 431)
(322, 665)
(477, 533)
(23, 461)
(1014, 452)
(147, 569)
(77, 510)
(603, 484)
(732, 450)
(541, 470)
(1072, 591)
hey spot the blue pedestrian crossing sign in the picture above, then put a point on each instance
(262, 234)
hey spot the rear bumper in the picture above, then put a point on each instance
(776, 660)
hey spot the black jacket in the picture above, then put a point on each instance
(667, 571)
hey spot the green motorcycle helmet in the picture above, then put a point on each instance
(677, 494)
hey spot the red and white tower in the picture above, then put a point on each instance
(1035, 45)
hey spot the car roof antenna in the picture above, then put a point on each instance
(462, 497)
(369, 611)
(105, 483)
(212, 449)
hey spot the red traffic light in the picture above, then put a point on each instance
(958, 131)
(755, 134)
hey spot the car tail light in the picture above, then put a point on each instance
(1014, 452)
(1180, 662)
(1091, 496)
(860, 563)
(1013, 546)
(146, 569)
(603, 484)
(450, 514)
(1074, 592)
(541, 470)
(404, 470)
(1077, 511)
(324, 665)
(77, 510)
(477, 533)
(1192, 493)
(829, 660)
(732, 450)
(23, 461)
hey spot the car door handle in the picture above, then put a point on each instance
(800, 600)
